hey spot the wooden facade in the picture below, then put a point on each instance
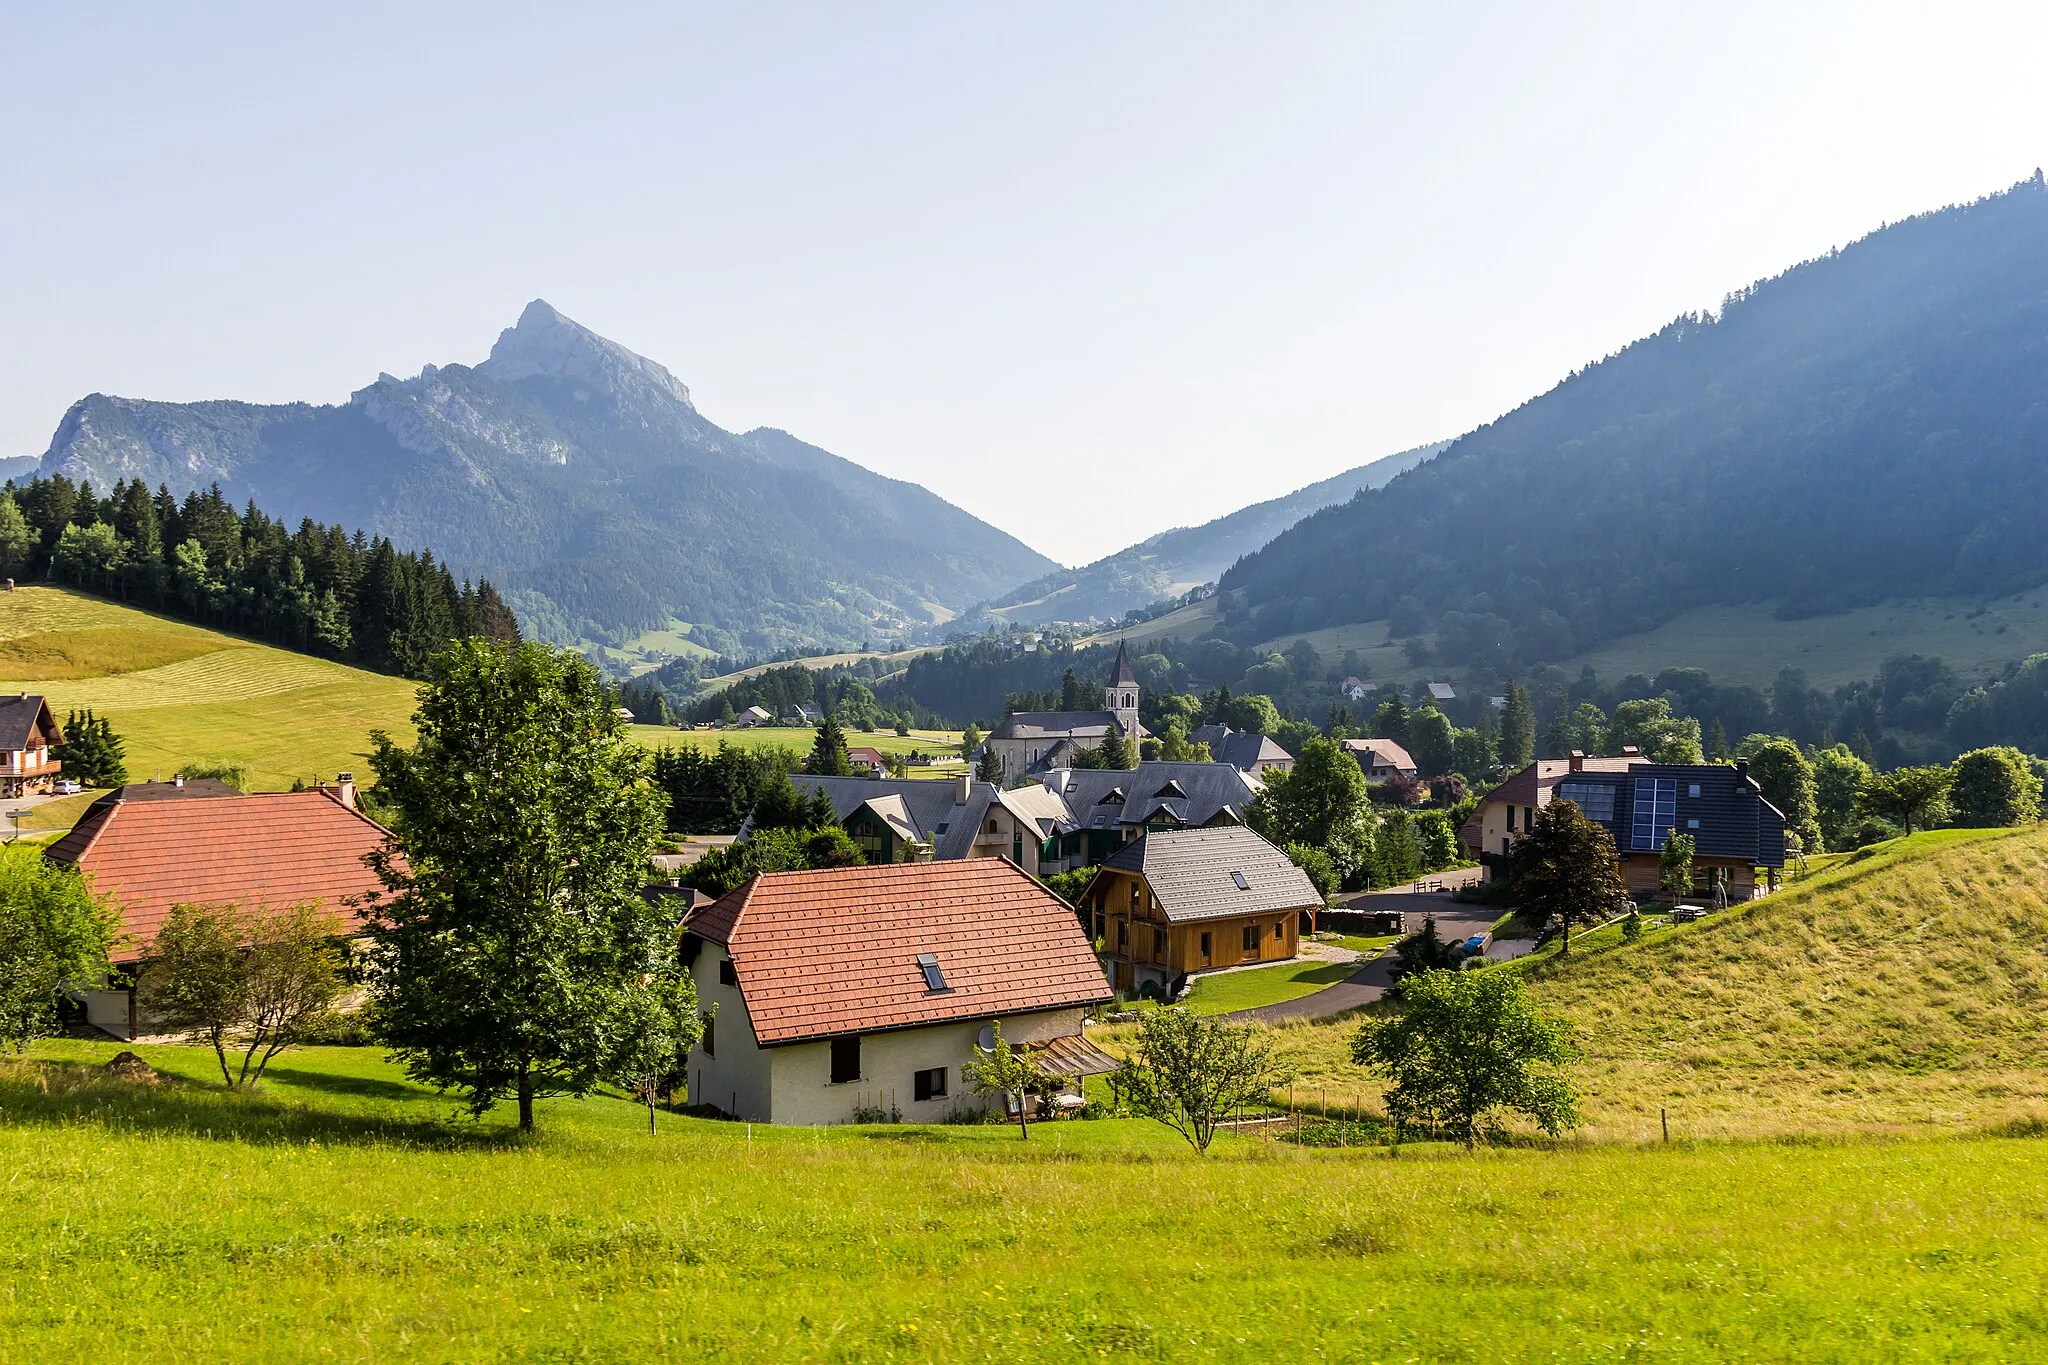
(1141, 945)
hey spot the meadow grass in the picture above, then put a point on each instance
(342, 1213)
(799, 738)
(1901, 991)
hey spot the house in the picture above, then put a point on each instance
(835, 995)
(1251, 753)
(1735, 831)
(1034, 742)
(1380, 758)
(868, 759)
(752, 716)
(1071, 818)
(1182, 901)
(1353, 687)
(152, 845)
(803, 713)
(27, 734)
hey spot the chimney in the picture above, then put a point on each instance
(964, 793)
(178, 780)
(345, 789)
(921, 851)
(1578, 760)
(1631, 751)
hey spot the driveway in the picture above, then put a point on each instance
(1370, 981)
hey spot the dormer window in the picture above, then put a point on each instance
(1172, 788)
(1115, 797)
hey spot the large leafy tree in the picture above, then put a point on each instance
(1995, 787)
(1565, 871)
(1787, 780)
(1192, 1073)
(1322, 803)
(1466, 1045)
(513, 954)
(1912, 798)
(1838, 780)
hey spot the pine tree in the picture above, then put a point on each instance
(1517, 729)
(1116, 750)
(828, 752)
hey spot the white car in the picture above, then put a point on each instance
(67, 786)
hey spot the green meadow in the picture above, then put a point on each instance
(341, 1213)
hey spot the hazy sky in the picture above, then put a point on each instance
(1087, 270)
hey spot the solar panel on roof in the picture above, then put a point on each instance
(1656, 810)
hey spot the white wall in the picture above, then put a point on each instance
(804, 1092)
(736, 1076)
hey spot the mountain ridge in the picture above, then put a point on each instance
(581, 476)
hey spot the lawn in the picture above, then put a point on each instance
(1255, 986)
(800, 738)
(343, 1214)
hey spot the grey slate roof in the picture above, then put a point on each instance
(1092, 725)
(1734, 819)
(1244, 750)
(19, 717)
(1106, 798)
(927, 808)
(1189, 873)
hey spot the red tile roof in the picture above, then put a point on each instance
(835, 952)
(261, 852)
(1523, 788)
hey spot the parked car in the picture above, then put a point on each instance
(67, 786)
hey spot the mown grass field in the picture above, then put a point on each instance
(1903, 992)
(341, 1213)
(1256, 986)
(180, 694)
(800, 738)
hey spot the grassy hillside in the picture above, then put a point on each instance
(179, 693)
(342, 1213)
(1902, 991)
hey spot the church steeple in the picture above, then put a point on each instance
(1122, 692)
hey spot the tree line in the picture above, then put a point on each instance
(318, 589)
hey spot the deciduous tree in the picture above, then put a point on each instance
(1192, 1073)
(248, 979)
(1565, 871)
(513, 954)
(1912, 798)
(54, 936)
(1993, 787)
(1787, 781)
(1466, 1045)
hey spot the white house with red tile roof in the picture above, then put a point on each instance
(869, 987)
(152, 845)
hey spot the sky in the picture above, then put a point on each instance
(1088, 271)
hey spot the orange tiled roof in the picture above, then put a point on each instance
(265, 851)
(835, 952)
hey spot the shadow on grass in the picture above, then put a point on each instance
(361, 1087)
(61, 1093)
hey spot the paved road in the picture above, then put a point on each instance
(1370, 981)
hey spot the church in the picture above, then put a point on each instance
(1031, 743)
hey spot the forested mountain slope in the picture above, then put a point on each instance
(1172, 562)
(581, 477)
(1868, 425)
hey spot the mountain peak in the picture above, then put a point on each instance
(545, 343)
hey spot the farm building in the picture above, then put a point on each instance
(866, 989)
(1182, 901)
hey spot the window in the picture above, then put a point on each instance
(708, 1040)
(1511, 818)
(1123, 935)
(1242, 884)
(728, 974)
(1692, 824)
(1205, 947)
(934, 979)
(1692, 789)
(929, 1085)
(845, 1060)
(1656, 810)
(1159, 945)
(1594, 799)
(1251, 938)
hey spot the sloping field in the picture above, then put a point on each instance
(1903, 991)
(180, 694)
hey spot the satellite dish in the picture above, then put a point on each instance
(987, 1041)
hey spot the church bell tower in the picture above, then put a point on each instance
(1122, 693)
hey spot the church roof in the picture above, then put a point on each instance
(1123, 677)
